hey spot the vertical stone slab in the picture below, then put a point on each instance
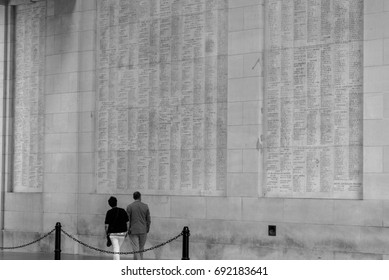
(29, 97)
(313, 99)
(161, 103)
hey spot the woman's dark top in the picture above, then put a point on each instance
(116, 219)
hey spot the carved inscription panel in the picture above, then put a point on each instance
(30, 31)
(162, 96)
(313, 98)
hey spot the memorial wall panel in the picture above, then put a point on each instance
(161, 124)
(313, 98)
(30, 31)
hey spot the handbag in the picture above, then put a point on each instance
(109, 243)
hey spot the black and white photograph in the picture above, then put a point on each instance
(145, 131)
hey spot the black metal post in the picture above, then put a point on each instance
(57, 251)
(185, 243)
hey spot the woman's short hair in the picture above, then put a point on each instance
(112, 201)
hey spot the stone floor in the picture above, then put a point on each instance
(46, 256)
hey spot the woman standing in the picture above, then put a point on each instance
(116, 225)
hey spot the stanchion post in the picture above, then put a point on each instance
(185, 243)
(57, 250)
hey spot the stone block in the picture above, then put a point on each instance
(311, 211)
(251, 112)
(270, 210)
(62, 7)
(302, 254)
(235, 19)
(87, 61)
(87, 40)
(69, 102)
(235, 66)
(50, 25)
(306, 236)
(243, 137)
(374, 240)
(235, 113)
(250, 160)
(69, 143)
(49, 84)
(188, 207)
(86, 142)
(258, 253)
(87, 81)
(52, 103)
(73, 82)
(90, 224)
(375, 132)
(87, 162)
(160, 206)
(61, 163)
(62, 123)
(234, 137)
(358, 212)
(386, 159)
(68, 222)
(165, 228)
(386, 22)
(385, 209)
(373, 52)
(94, 204)
(62, 183)
(253, 65)
(373, 106)
(235, 161)
(70, 42)
(17, 238)
(53, 64)
(86, 5)
(50, 46)
(224, 208)
(374, 26)
(245, 89)
(87, 183)
(247, 41)
(70, 62)
(23, 202)
(53, 143)
(87, 20)
(373, 159)
(87, 120)
(62, 83)
(23, 221)
(374, 6)
(375, 79)
(386, 106)
(87, 101)
(60, 203)
(375, 186)
(243, 3)
(253, 17)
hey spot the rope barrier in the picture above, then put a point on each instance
(121, 253)
(25, 245)
(58, 229)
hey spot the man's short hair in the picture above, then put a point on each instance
(136, 195)
(112, 201)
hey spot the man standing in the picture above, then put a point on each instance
(139, 215)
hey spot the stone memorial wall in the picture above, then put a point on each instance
(30, 28)
(162, 96)
(313, 98)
